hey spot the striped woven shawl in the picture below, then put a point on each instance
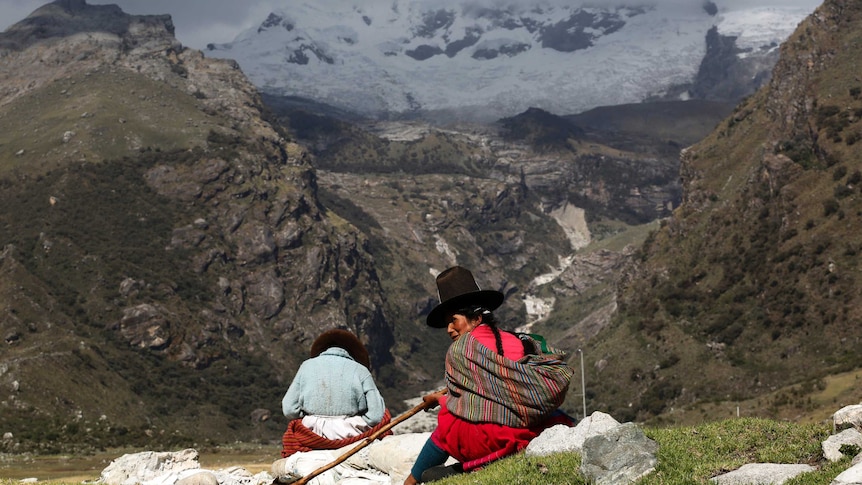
(487, 387)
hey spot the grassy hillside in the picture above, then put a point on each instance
(686, 455)
(754, 284)
(106, 114)
(674, 123)
(61, 283)
(130, 183)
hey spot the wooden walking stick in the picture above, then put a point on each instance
(367, 441)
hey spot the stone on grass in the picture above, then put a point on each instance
(832, 445)
(762, 474)
(561, 438)
(850, 476)
(848, 415)
(620, 455)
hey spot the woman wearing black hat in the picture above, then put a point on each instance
(333, 400)
(501, 392)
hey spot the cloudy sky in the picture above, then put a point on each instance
(199, 22)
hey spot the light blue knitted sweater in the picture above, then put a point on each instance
(333, 384)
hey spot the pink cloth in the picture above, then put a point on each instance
(512, 347)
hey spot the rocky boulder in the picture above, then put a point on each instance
(621, 455)
(848, 416)
(753, 473)
(564, 438)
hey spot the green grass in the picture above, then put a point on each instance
(708, 450)
(613, 235)
(558, 469)
(111, 113)
(686, 455)
(808, 402)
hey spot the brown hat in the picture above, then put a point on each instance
(457, 289)
(342, 339)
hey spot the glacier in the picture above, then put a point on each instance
(403, 59)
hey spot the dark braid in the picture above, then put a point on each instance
(488, 319)
(498, 339)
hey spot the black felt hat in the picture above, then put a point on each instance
(342, 339)
(457, 289)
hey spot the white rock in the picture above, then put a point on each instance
(553, 440)
(199, 478)
(563, 438)
(304, 463)
(762, 473)
(850, 476)
(832, 445)
(848, 415)
(241, 476)
(135, 468)
(386, 461)
(395, 455)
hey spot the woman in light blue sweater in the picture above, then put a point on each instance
(332, 395)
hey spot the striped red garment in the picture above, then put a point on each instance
(299, 438)
(487, 387)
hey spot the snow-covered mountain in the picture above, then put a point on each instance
(403, 58)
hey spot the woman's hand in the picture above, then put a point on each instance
(433, 399)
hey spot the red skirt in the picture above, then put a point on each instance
(477, 444)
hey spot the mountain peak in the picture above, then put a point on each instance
(63, 18)
(74, 5)
(481, 63)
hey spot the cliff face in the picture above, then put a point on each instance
(163, 243)
(753, 284)
(724, 75)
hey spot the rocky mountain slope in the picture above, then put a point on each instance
(753, 285)
(165, 261)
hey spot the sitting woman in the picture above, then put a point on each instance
(501, 391)
(333, 400)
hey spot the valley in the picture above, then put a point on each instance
(173, 238)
